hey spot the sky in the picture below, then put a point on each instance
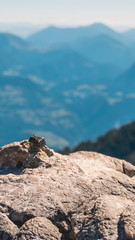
(68, 12)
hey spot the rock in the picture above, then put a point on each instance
(36, 227)
(25, 154)
(37, 141)
(82, 196)
(127, 223)
(7, 228)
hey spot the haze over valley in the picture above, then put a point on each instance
(66, 84)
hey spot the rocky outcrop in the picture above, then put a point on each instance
(26, 154)
(82, 196)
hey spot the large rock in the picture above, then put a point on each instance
(45, 195)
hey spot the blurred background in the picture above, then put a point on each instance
(67, 73)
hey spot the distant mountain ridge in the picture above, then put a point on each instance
(97, 42)
(56, 35)
(116, 143)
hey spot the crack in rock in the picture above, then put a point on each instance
(17, 218)
(65, 224)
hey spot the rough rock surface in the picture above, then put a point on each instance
(45, 195)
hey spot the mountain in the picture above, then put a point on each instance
(105, 49)
(125, 83)
(130, 35)
(51, 97)
(100, 49)
(56, 110)
(16, 52)
(116, 143)
(65, 65)
(10, 42)
(55, 92)
(53, 36)
(10, 48)
(19, 58)
(97, 42)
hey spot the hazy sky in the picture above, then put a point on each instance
(68, 12)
